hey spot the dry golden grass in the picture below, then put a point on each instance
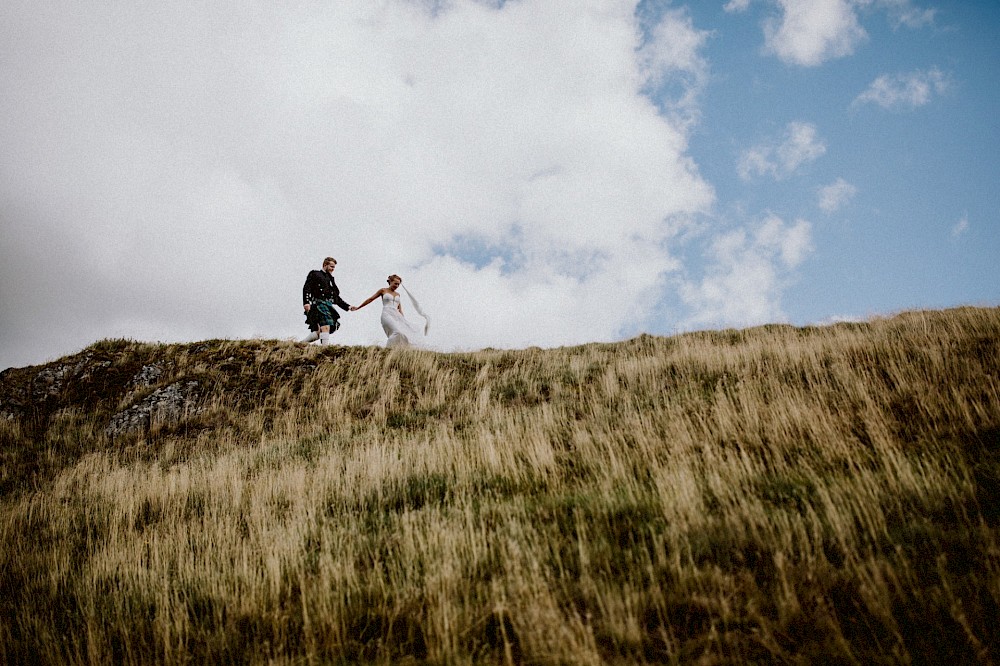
(771, 495)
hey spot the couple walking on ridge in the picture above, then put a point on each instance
(320, 294)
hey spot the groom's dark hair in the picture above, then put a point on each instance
(329, 260)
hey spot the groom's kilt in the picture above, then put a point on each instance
(322, 314)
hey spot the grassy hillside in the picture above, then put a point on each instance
(771, 495)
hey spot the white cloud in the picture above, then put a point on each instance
(833, 196)
(839, 319)
(961, 227)
(902, 13)
(171, 171)
(673, 56)
(810, 32)
(904, 91)
(780, 158)
(734, 6)
(750, 268)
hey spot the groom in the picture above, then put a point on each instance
(319, 294)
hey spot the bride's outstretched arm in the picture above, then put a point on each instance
(370, 299)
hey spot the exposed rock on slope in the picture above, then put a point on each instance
(169, 404)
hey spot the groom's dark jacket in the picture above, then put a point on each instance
(320, 286)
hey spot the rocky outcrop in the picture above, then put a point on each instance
(169, 404)
(150, 375)
(127, 388)
(51, 381)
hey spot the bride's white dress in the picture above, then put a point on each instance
(400, 332)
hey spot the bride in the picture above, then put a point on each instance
(400, 332)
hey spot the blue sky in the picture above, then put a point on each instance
(920, 227)
(541, 172)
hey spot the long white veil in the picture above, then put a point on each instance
(416, 306)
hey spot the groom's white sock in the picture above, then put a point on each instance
(312, 337)
(324, 338)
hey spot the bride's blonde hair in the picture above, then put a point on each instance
(389, 279)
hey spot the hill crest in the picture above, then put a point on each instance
(773, 494)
